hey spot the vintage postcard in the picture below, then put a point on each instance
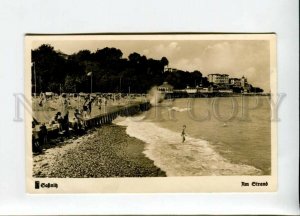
(136, 113)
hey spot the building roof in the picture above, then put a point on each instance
(165, 85)
(219, 74)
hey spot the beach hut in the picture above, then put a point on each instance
(165, 88)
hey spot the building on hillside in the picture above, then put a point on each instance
(218, 78)
(244, 82)
(165, 88)
(209, 89)
(191, 90)
(235, 82)
(245, 85)
(167, 69)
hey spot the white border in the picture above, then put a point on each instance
(20, 17)
(184, 184)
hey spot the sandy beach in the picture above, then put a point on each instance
(102, 152)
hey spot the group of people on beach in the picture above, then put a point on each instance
(98, 100)
(81, 114)
(62, 118)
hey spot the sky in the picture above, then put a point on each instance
(237, 58)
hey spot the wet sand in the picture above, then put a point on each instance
(104, 152)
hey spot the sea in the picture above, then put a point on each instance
(228, 136)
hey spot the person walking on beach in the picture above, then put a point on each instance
(99, 102)
(57, 119)
(183, 134)
(105, 104)
(79, 120)
(42, 99)
(65, 113)
(88, 102)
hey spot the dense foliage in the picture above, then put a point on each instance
(57, 72)
(111, 72)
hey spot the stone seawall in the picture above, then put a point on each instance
(96, 121)
(124, 111)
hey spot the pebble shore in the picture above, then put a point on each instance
(104, 152)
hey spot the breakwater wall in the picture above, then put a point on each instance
(107, 118)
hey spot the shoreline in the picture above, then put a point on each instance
(104, 152)
(212, 95)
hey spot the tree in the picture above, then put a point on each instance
(196, 78)
(164, 61)
(56, 71)
(107, 54)
(50, 67)
(82, 56)
(256, 89)
(134, 58)
(70, 84)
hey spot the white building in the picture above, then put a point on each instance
(228, 91)
(218, 78)
(206, 90)
(190, 90)
(244, 82)
(171, 70)
(235, 81)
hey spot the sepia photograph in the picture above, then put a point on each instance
(160, 112)
(160, 108)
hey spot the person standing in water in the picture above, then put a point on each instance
(183, 134)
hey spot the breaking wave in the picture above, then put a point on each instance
(177, 109)
(194, 157)
(154, 96)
